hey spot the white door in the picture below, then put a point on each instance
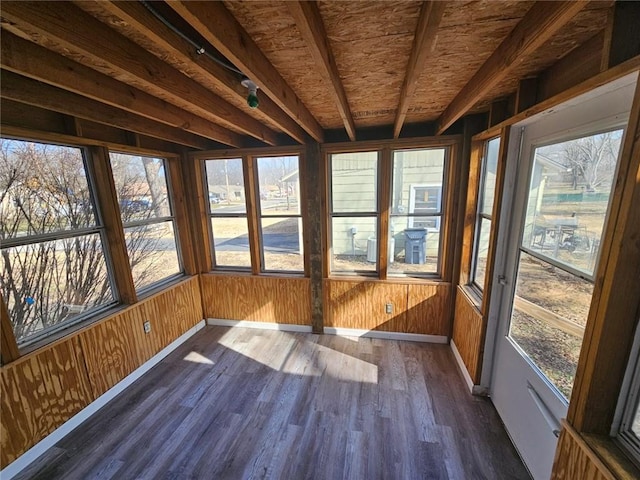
(561, 177)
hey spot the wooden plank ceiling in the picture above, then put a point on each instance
(325, 66)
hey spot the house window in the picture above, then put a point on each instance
(416, 211)
(54, 269)
(354, 212)
(486, 195)
(145, 208)
(228, 212)
(626, 426)
(280, 220)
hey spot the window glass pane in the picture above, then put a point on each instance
(413, 248)
(417, 181)
(353, 240)
(489, 176)
(282, 243)
(635, 425)
(279, 185)
(550, 311)
(226, 186)
(48, 284)
(354, 182)
(482, 250)
(141, 187)
(569, 196)
(43, 189)
(231, 241)
(152, 253)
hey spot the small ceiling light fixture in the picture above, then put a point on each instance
(252, 98)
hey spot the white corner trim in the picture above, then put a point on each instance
(409, 337)
(58, 434)
(461, 366)
(284, 327)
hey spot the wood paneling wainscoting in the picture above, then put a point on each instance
(43, 389)
(575, 460)
(257, 298)
(468, 334)
(360, 304)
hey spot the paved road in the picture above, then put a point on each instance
(275, 242)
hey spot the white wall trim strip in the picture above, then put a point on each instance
(285, 327)
(49, 441)
(474, 389)
(409, 337)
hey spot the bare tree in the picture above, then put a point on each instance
(592, 158)
(44, 190)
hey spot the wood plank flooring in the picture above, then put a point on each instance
(244, 403)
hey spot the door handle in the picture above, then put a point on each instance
(548, 415)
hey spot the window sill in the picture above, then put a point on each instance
(611, 456)
(473, 296)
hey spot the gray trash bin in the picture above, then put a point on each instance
(415, 245)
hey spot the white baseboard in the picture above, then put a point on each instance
(285, 327)
(409, 337)
(49, 441)
(474, 389)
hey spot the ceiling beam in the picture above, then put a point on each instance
(93, 42)
(30, 60)
(24, 90)
(309, 22)
(424, 42)
(140, 19)
(219, 27)
(540, 23)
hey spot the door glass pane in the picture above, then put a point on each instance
(354, 182)
(567, 205)
(568, 199)
(353, 241)
(550, 311)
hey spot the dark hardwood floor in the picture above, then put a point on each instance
(243, 403)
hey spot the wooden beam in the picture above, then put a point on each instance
(219, 27)
(526, 95)
(621, 39)
(309, 22)
(8, 346)
(580, 64)
(385, 167)
(144, 22)
(250, 187)
(93, 42)
(540, 23)
(423, 44)
(181, 214)
(613, 316)
(314, 219)
(30, 60)
(24, 90)
(110, 214)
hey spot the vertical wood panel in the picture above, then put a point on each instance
(193, 178)
(8, 346)
(250, 185)
(181, 214)
(384, 202)
(428, 309)
(41, 391)
(468, 335)
(575, 460)
(260, 299)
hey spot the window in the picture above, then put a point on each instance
(416, 211)
(627, 424)
(486, 195)
(145, 208)
(354, 211)
(277, 216)
(280, 220)
(228, 210)
(54, 268)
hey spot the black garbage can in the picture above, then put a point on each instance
(414, 247)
